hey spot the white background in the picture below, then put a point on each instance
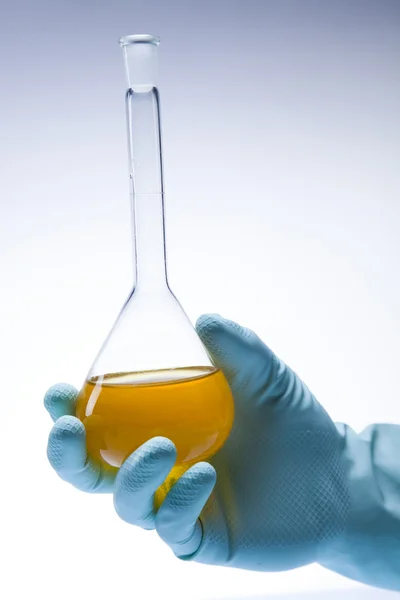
(281, 140)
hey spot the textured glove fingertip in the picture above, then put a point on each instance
(155, 451)
(201, 476)
(231, 346)
(209, 324)
(215, 330)
(151, 461)
(59, 400)
(66, 447)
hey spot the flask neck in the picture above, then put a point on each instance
(150, 265)
(147, 188)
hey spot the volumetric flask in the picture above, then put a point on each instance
(152, 376)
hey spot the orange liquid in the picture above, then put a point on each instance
(193, 407)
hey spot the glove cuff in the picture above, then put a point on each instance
(368, 550)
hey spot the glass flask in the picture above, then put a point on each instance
(152, 376)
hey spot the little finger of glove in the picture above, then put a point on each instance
(177, 520)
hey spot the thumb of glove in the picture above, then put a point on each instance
(258, 378)
(282, 473)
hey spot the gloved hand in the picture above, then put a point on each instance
(278, 495)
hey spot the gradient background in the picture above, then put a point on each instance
(282, 143)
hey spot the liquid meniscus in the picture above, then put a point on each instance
(193, 407)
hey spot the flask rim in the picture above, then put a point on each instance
(139, 38)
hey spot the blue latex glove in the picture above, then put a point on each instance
(292, 487)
